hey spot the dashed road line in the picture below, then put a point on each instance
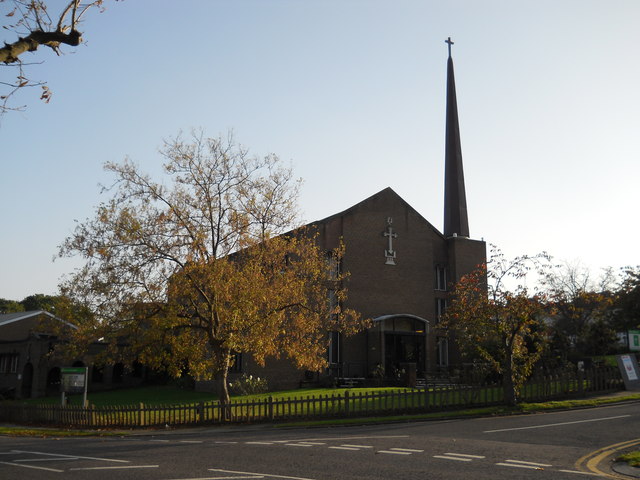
(257, 443)
(393, 452)
(353, 449)
(191, 441)
(447, 457)
(356, 446)
(465, 455)
(119, 467)
(299, 445)
(515, 465)
(410, 450)
(534, 464)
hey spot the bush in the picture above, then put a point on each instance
(248, 385)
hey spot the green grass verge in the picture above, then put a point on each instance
(632, 458)
(463, 413)
(52, 432)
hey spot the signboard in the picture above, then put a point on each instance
(630, 371)
(634, 340)
(73, 379)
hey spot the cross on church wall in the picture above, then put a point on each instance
(389, 253)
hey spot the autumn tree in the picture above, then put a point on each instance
(29, 25)
(205, 263)
(496, 319)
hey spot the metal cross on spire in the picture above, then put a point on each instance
(449, 42)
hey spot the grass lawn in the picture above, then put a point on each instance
(172, 395)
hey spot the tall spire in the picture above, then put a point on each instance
(455, 201)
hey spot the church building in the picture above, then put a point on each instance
(401, 267)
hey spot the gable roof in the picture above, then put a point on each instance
(7, 318)
(386, 191)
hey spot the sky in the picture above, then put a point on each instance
(351, 94)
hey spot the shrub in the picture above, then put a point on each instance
(248, 385)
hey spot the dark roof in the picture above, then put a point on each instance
(7, 318)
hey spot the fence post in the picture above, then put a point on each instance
(581, 391)
(141, 415)
(270, 407)
(346, 402)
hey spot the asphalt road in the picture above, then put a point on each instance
(541, 446)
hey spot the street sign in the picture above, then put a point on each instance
(74, 380)
(630, 371)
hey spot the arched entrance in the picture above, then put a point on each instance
(53, 381)
(403, 341)
(27, 381)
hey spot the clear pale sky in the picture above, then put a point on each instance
(352, 93)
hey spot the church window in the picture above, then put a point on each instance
(441, 278)
(236, 365)
(442, 349)
(441, 307)
(9, 363)
(334, 266)
(334, 348)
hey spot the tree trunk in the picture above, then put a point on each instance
(223, 385)
(508, 386)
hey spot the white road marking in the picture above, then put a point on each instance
(226, 443)
(412, 450)
(314, 443)
(446, 457)
(529, 463)
(465, 455)
(345, 448)
(357, 446)
(190, 441)
(393, 452)
(324, 439)
(32, 466)
(516, 465)
(258, 474)
(45, 459)
(258, 443)
(73, 456)
(158, 440)
(228, 478)
(298, 445)
(119, 467)
(231, 478)
(556, 424)
(580, 473)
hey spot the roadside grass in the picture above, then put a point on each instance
(632, 458)
(498, 410)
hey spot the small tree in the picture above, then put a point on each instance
(195, 270)
(495, 319)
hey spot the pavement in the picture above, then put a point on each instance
(625, 469)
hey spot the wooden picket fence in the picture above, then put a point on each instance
(361, 404)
